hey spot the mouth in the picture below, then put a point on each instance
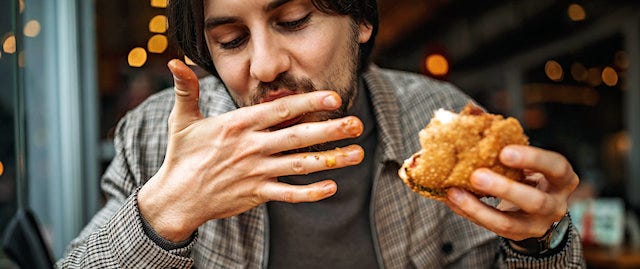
(273, 95)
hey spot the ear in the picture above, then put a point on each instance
(364, 32)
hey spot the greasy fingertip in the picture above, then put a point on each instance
(180, 70)
(332, 100)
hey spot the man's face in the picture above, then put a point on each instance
(267, 49)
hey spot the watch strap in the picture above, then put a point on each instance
(538, 246)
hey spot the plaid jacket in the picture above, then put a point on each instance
(409, 231)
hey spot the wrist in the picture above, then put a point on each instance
(550, 241)
(167, 223)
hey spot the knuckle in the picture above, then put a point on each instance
(287, 196)
(538, 203)
(294, 140)
(298, 167)
(282, 110)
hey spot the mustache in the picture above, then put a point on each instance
(282, 81)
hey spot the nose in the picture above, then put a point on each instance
(269, 57)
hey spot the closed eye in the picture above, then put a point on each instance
(296, 24)
(235, 43)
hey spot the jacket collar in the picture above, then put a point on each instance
(386, 108)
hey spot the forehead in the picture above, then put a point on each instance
(230, 6)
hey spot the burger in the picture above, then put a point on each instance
(453, 145)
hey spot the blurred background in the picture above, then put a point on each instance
(569, 70)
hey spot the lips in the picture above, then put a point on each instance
(273, 95)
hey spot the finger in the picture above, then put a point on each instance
(187, 93)
(278, 191)
(506, 225)
(291, 107)
(554, 166)
(527, 198)
(309, 162)
(308, 134)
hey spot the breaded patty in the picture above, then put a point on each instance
(454, 145)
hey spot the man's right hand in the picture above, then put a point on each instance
(222, 166)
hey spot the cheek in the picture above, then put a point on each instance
(318, 53)
(234, 75)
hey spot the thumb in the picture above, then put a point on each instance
(187, 90)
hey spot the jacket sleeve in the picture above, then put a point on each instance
(115, 237)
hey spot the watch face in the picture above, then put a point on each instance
(559, 232)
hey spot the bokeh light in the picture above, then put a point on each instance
(32, 28)
(437, 65)
(158, 24)
(621, 60)
(137, 57)
(594, 77)
(553, 70)
(21, 3)
(9, 43)
(579, 72)
(609, 76)
(21, 60)
(1, 168)
(576, 12)
(157, 44)
(159, 3)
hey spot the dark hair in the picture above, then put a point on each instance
(186, 26)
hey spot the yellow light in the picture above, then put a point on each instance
(188, 61)
(9, 44)
(137, 57)
(609, 76)
(437, 65)
(553, 70)
(1, 168)
(159, 3)
(158, 24)
(21, 6)
(157, 44)
(32, 28)
(576, 12)
(594, 77)
(579, 72)
(621, 59)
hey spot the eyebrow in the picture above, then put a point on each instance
(211, 23)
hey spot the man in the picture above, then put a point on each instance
(304, 173)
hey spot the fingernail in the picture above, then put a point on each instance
(354, 155)
(328, 188)
(330, 101)
(455, 195)
(481, 180)
(510, 155)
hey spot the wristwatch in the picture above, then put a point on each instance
(549, 241)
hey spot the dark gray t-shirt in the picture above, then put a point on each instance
(335, 232)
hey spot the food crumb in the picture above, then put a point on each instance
(330, 161)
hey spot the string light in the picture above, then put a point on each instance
(159, 3)
(137, 57)
(553, 70)
(9, 44)
(576, 12)
(158, 24)
(437, 65)
(609, 76)
(157, 44)
(32, 28)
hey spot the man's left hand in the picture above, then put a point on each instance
(527, 209)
